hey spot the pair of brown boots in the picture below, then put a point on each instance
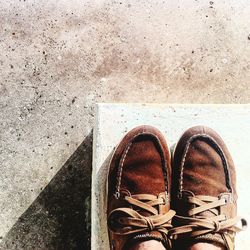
(193, 199)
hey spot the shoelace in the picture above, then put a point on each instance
(200, 225)
(124, 221)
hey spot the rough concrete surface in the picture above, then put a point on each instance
(58, 58)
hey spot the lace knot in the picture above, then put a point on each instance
(128, 220)
(149, 223)
(217, 226)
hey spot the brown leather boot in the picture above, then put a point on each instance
(138, 189)
(203, 192)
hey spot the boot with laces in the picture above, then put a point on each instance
(204, 191)
(138, 190)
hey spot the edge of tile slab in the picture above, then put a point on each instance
(93, 200)
(103, 104)
(98, 107)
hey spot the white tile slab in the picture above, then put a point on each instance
(232, 122)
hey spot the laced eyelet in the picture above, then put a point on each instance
(117, 195)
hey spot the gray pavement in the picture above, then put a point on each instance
(58, 58)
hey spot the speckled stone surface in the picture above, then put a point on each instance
(114, 120)
(58, 58)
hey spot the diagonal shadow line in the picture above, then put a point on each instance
(60, 216)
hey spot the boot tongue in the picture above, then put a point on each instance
(150, 234)
(216, 239)
(209, 213)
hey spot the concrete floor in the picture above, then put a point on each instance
(58, 58)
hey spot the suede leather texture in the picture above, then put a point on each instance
(140, 165)
(202, 165)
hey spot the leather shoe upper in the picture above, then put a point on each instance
(204, 189)
(138, 189)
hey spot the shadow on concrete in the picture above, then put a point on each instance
(60, 216)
